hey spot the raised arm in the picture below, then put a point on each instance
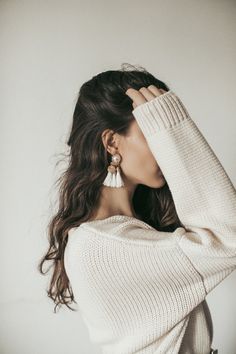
(204, 196)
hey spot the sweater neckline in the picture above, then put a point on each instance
(118, 217)
(115, 217)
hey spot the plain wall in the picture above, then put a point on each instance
(48, 49)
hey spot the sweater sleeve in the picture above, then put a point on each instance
(203, 194)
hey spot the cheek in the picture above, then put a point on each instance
(138, 162)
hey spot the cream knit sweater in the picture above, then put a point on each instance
(140, 290)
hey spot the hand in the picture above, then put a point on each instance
(143, 94)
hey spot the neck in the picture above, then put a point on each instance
(116, 201)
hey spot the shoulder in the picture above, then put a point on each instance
(132, 232)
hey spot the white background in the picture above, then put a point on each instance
(48, 49)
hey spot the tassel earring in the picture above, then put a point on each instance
(113, 178)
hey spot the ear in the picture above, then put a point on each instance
(110, 140)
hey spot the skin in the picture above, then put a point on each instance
(138, 165)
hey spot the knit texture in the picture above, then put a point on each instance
(140, 290)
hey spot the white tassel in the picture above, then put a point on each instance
(108, 179)
(113, 179)
(119, 181)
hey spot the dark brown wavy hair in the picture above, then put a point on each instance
(101, 104)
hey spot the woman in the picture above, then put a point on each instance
(146, 225)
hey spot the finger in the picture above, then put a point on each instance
(163, 91)
(155, 90)
(136, 96)
(147, 93)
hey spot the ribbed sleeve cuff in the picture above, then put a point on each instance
(160, 113)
